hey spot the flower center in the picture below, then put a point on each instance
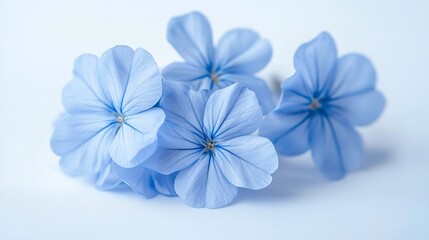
(210, 145)
(120, 118)
(214, 77)
(315, 104)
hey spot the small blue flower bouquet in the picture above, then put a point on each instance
(207, 126)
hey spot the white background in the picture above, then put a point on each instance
(387, 199)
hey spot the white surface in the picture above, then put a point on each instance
(387, 199)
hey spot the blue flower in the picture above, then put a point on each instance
(207, 140)
(320, 105)
(239, 54)
(111, 119)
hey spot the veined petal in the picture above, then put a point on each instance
(315, 62)
(184, 107)
(247, 161)
(113, 70)
(184, 72)
(231, 112)
(296, 96)
(91, 155)
(138, 178)
(74, 130)
(136, 140)
(84, 93)
(144, 86)
(336, 147)
(259, 86)
(287, 126)
(355, 74)
(191, 36)
(170, 160)
(203, 185)
(106, 178)
(242, 51)
(288, 132)
(360, 109)
(164, 184)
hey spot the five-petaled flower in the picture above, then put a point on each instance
(110, 115)
(320, 105)
(239, 54)
(207, 140)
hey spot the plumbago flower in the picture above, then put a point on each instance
(111, 119)
(207, 140)
(320, 105)
(239, 54)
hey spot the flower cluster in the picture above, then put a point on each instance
(192, 130)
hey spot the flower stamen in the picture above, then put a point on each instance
(120, 118)
(210, 145)
(315, 104)
(214, 78)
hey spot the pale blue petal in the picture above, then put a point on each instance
(315, 62)
(144, 84)
(336, 147)
(355, 74)
(85, 93)
(91, 155)
(203, 185)
(113, 70)
(184, 72)
(107, 178)
(164, 184)
(287, 126)
(138, 178)
(247, 161)
(170, 160)
(296, 96)
(231, 112)
(259, 86)
(136, 140)
(360, 109)
(242, 51)
(72, 131)
(191, 36)
(184, 107)
(288, 132)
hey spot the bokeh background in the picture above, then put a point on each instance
(388, 198)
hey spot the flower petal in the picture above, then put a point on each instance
(191, 36)
(203, 185)
(355, 74)
(242, 51)
(90, 156)
(288, 132)
(247, 161)
(170, 160)
(315, 62)
(144, 85)
(184, 72)
(231, 112)
(138, 178)
(113, 70)
(85, 93)
(336, 147)
(164, 184)
(107, 179)
(360, 109)
(259, 86)
(184, 107)
(296, 96)
(136, 140)
(287, 126)
(72, 131)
